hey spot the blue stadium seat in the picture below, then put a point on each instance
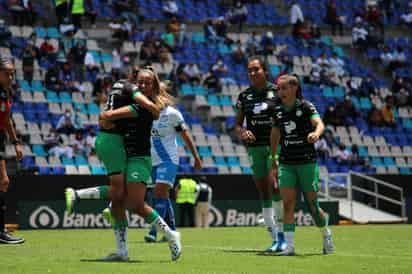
(80, 161)
(96, 170)
(67, 161)
(58, 170)
(220, 161)
(43, 170)
(38, 150)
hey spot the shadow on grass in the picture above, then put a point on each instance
(126, 262)
(295, 256)
(255, 251)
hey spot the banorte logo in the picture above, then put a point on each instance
(44, 217)
(215, 216)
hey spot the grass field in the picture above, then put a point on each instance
(359, 249)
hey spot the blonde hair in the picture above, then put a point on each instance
(160, 96)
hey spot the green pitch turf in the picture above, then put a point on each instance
(359, 249)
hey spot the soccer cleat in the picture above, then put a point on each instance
(7, 238)
(277, 246)
(286, 251)
(149, 238)
(107, 215)
(175, 245)
(115, 257)
(70, 194)
(328, 247)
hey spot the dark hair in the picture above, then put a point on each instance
(262, 62)
(4, 62)
(296, 82)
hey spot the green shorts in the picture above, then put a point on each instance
(261, 160)
(138, 169)
(305, 176)
(110, 150)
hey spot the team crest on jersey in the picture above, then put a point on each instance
(290, 126)
(260, 107)
(299, 113)
(270, 95)
(249, 97)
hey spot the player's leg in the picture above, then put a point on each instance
(138, 172)
(287, 183)
(264, 188)
(165, 175)
(309, 178)
(110, 150)
(5, 236)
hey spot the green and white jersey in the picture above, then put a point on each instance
(257, 106)
(295, 125)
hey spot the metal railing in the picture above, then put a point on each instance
(330, 186)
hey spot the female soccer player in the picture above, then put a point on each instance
(165, 161)
(110, 149)
(6, 126)
(297, 126)
(137, 134)
(255, 105)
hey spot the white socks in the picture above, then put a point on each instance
(88, 193)
(269, 221)
(121, 241)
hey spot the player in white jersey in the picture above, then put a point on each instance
(165, 160)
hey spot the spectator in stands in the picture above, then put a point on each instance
(286, 59)
(164, 56)
(353, 86)
(209, 31)
(375, 118)
(253, 45)
(127, 9)
(61, 149)
(267, 43)
(359, 34)
(386, 57)
(61, 10)
(406, 18)
(322, 148)
(238, 54)
(192, 72)
(66, 27)
(387, 112)
(401, 91)
(375, 37)
(173, 27)
(90, 141)
(296, 18)
(52, 139)
(79, 144)
(91, 12)
(211, 82)
(332, 18)
(221, 71)
(22, 12)
(47, 50)
(237, 15)
(77, 11)
(331, 117)
(5, 35)
(117, 64)
(342, 155)
(399, 59)
(121, 29)
(170, 9)
(169, 40)
(92, 67)
(67, 77)
(78, 55)
(52, 80)
(336, 66)
(101, 88)
(367, 87)
(30, 55)
(221, 27)
(66, 124)
(356, 159)
(347, 112)
(374, 17)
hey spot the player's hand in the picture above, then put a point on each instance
(106, 124)
(19, 152)
(274, 170)
(313, 137)
(248, 136)
(198, 164)
(4, 184)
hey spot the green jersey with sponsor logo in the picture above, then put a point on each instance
(295, 125)
(257, 106)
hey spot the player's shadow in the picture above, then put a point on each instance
(302, 256)
(254, 251)
(126, 262)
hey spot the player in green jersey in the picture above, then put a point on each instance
(296, 127)
(137, 134)
(255, 105)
